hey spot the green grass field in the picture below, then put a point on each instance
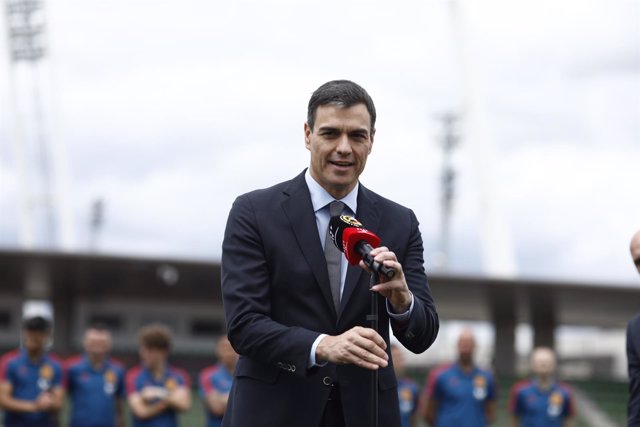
(611, 396)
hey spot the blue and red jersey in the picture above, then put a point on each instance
(408, 394)
(460, 397)
(139, 377)
(215, 378)
(536, 407)
(94, 392)
(28, 380)
(633, 359)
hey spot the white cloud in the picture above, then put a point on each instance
(171, 109)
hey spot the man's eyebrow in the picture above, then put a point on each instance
(327, 127)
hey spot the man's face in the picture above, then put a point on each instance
(152, 357)
(340, 143)
(34, 341)
(635, 250)
(543, 362)
(466, 346)
(97, 342)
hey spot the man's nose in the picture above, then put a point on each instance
(344, 146)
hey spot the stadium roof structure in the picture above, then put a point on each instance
(66, 279)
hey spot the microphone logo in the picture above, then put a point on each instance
(351, 221)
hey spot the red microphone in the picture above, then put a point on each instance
(348, 234)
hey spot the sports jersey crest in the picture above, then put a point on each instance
(46, 372)
(555, 404)
(556, 398)
(45, 376)
(110, 377)
(170, 384)
(479, 387)
(405, 394)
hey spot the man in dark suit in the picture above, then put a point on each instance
(633, 348)
(306, 351)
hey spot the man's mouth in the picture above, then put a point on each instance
(341, 164)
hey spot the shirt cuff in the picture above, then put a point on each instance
(401, 317)
(312, 355)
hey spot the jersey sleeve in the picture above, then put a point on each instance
(415, 392)
(183, 377)
(7, 373)
(431, 388)
(4, 369)
(58, 375)
(205, 385)
(131, 381)
(492, 388)
(515, 404)
(120, 387)
(568, 406)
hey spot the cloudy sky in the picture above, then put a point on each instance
(167, 110)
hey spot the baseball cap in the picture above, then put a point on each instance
(36, 323)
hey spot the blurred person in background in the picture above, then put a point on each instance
(31, 391)
(633, 348)
(216, 381)
(156, 391)
(541, 401)
(460, 394)
(95, 383)
(408, 390)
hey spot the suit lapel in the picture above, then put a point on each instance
(369, 216)
(299, 210)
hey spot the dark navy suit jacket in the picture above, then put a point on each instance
(633, 358)
(277, 301)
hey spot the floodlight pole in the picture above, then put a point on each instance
(26, 42)
(450, 139)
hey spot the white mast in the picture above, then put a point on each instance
(42, 217)
(495, 234)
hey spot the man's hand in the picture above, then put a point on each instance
(44, 402)
(395, 290)
(359, 346)
(153, 393)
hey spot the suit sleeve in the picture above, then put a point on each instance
(421, 330)
(246, 296)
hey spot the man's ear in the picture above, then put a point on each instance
(373, 133)
(307, 135)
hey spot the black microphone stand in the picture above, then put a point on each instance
(373, 318)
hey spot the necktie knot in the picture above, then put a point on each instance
(336, 207)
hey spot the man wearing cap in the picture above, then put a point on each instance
(31, 391)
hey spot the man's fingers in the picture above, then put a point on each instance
(369, 349)
(359, 346)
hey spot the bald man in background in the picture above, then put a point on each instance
(633, 348)
(95, 382)
(460, 394)
(541, 401)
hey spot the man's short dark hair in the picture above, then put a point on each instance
(36, 324)
(343, 93)
(155, 336)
